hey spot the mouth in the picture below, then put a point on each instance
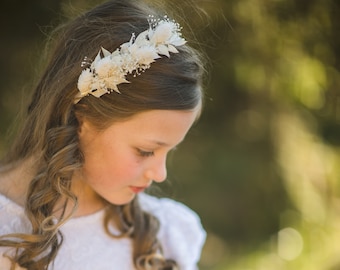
(137, 189)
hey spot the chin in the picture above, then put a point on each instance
(121, 201)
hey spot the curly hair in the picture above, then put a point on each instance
(49, 133)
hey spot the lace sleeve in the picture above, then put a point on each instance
(12, 220)
(181, 233)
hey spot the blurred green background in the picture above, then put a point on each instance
(261, 166)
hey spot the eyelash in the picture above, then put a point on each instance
(145, 153)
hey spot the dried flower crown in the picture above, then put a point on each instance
(108, 70)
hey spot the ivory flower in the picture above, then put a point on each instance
(108, 70)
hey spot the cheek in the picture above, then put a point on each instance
(111, 170)
(125, 168)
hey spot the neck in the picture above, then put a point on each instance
(88, 202)
(16, 177)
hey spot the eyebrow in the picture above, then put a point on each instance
(159, 143)
(164, 144)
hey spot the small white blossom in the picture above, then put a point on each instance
(106, 68)
(146, 55)
(85, 81)
(162, 33)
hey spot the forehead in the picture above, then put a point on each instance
(160, 126)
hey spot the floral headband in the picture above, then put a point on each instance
(108, 70)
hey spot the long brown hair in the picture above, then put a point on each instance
(50, 129)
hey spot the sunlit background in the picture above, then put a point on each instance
(262, 166)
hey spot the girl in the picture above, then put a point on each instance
(121, 89)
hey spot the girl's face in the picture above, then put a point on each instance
(128, 156)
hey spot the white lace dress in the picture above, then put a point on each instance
(86, 246)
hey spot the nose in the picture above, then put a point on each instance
(157, 170)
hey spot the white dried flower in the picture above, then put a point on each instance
(162, 33)
(108, 70)
(85, 82)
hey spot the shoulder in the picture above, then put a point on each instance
(14, 184)
(12, 220)
(169, 209)
(181, 232)
(12, 217)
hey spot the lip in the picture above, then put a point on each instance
(137, 189)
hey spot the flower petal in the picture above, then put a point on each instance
(172, 49)
(85, 81)
(105, 52)
(162, 49)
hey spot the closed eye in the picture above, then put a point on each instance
(145, 153)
